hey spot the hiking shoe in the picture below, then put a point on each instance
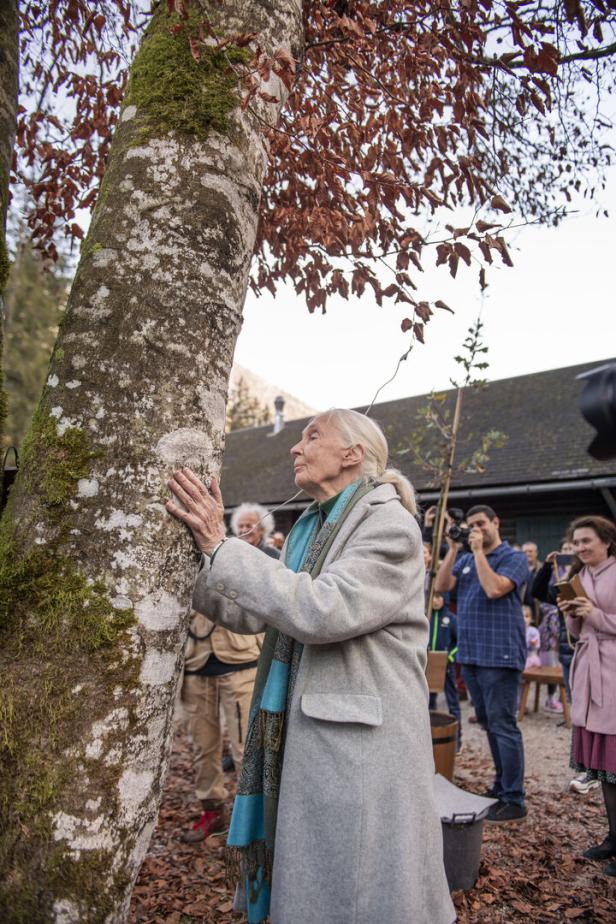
(228, 764)
(603, 851)
(504, 812)
(583, 783)
(212, 821)
(610, 869)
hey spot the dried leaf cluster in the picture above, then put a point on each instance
(398, 110)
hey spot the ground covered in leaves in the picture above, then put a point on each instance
(530, 872)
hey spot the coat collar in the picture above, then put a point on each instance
(609, 562)
(382, 494)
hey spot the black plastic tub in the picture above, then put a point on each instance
(462, 850)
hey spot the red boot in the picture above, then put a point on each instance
(212, 821)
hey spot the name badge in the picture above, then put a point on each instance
(446, 621)
(466, 570)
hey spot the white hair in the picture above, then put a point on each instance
(265, 518)
(357, 429)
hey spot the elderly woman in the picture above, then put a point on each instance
(335, 820)
(592, 620)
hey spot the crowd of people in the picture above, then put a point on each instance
(315, 661)
(512, 615)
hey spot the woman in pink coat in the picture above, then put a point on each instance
(592, 619)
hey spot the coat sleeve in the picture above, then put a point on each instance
(224, 610)
(363, 590)
(602, 622)
(541, 583)
(574, 625)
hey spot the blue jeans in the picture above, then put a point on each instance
(494, 692)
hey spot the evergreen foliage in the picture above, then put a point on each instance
(34, 301)
(244, 409)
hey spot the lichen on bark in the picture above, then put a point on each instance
(52, 620)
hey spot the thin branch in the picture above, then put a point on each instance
(590, 54)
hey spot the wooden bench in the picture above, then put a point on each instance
(546, 675)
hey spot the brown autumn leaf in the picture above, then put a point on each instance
(498, 203)
(485, 225)
(522, 907)
(198, 907)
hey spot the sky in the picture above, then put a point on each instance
(555, 307)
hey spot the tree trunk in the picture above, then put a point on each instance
(9, 87)
(95, 578)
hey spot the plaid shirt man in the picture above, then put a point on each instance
(492, 648)
(491, 633)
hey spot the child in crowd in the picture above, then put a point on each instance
(444, 637)
(533, 640)
(549, 630)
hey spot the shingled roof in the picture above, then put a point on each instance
(546, 439)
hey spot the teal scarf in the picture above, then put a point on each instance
(250, 845)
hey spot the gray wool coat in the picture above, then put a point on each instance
(358, 837)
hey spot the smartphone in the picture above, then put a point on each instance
(564, 559)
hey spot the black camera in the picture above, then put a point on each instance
(598, 405)
(456, 531)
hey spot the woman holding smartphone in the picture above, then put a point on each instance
(592, 619)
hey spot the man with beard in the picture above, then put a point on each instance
(489, 581)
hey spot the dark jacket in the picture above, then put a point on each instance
(543, 590)
(443, 632)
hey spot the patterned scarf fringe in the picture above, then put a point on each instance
(245, 862)
(272, 729)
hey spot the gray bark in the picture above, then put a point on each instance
(95, 579)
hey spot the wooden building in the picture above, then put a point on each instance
(538, 482)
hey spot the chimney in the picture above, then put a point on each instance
(279, 419)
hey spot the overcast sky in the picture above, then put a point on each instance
(556, 307)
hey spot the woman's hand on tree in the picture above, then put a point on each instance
(204, 509)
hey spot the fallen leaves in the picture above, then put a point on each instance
(182, 883)
(533, 871)
(528, 872)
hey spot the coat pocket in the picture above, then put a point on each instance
(343, 707)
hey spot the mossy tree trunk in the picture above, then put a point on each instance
(95, 579)
(9, 87)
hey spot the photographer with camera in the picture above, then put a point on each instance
(489, 582)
